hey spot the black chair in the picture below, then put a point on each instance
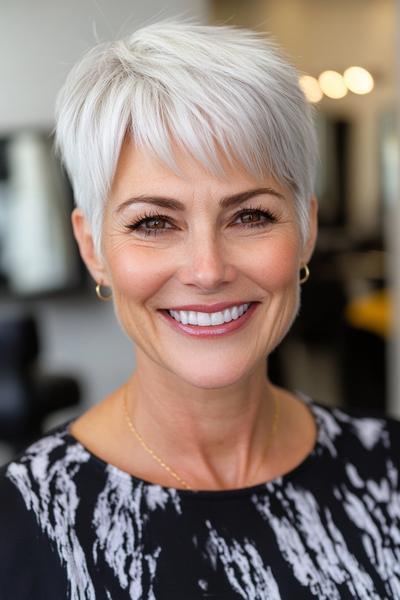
(28, 396)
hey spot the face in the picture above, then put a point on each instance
(174, 241)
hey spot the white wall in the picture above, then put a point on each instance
(80, 336)
(41, 39)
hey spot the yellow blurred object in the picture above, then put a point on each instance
(372, 313)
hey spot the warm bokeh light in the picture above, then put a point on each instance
(332, 84)
(358, 80)
(311, 89)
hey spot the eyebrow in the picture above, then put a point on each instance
(225, 202)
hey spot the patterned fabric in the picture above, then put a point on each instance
(73, 526)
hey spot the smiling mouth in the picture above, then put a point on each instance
(207, 319)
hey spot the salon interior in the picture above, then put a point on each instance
(343, 349)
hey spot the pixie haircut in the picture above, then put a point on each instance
(204, 88)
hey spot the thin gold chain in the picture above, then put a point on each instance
(148, 449)
(163, 464)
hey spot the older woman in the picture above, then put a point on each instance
(191, 151)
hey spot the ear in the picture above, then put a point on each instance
(84, 238)
(312, 232)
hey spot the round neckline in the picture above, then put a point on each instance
(215, 494)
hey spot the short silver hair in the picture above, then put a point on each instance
(206, 88)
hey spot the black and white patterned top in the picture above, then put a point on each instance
(73, 526)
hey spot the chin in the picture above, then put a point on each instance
(213, 376)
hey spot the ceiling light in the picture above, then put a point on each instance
(332, 84)
(358, 80)
(311, 89)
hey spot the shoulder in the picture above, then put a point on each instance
(29, 514)
(363, 438)
(31, 471)
(369, 429)
(38, 487)
(26, 480)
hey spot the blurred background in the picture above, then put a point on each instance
(61, 350)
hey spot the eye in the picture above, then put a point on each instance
(158, 224)
(256, 217)
(150, 224)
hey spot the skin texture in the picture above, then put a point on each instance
(204, 405)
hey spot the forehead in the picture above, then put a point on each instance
(140, 171)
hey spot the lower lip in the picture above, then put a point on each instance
(211, 330)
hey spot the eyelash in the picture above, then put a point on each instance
(146, 217)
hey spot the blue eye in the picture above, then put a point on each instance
(155, 224)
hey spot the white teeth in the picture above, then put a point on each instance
(217, 318)
(205, 319)
(227, 315)
(183, 317)
(192, 318)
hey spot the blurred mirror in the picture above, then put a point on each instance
(37, 253)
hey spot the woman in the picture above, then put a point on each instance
(191, 151)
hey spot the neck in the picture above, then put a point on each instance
(213, 438)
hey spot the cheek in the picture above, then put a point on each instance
(136, 274)
(276, 265)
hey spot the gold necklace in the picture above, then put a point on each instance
(163, 464)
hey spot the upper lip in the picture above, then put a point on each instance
(209, 308)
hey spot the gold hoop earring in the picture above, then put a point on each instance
(306, 274)
(100, 295)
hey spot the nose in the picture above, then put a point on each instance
(206, 263)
